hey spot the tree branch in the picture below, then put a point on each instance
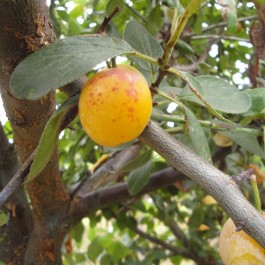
(219, 37)
(107, 19)
(94, 200)
(18, 178)
(164, 245)
(210, 179)
(15, 181)
(110, 170)
(222, 24)
(202, 58)
(186, 253)
(178, 233)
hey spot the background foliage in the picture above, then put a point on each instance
(179, 223)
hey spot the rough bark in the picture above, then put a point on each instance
(26, 27)
(257, 38)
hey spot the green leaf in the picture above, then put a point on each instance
(3, 218)
(77, 11)
(198, 91)
(49, 139)
(138, 178)
(176, 260)
(220, 95)
(106, 259)
(81, 2)
(62, 62)
(173, 3)
(77, 232)
(184, 3)
(196, 218)
(155, 20)
(230, 12)
(141, 40)
(248, 141)
(124, 221)
(95, 249)
(258, 101)
(192, 5)
(197, 136)
(117, 251)
(185, 47)
(74, 27)
(194, 83)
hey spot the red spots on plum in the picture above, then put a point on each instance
(114, 89)
(94, 101)
(131, 113)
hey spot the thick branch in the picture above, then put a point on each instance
(20, 175)
(210, 179)
(110, 170)
(94, 200)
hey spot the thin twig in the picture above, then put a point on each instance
(241, 177)
(14, 183)
(202, 58)
(19, 177)
(185, 252)
(232, 38)
(136, 13)
(107, 19)
(171, 223)
(178, 233)
(109, 171)
(165, 245)
(222, 24)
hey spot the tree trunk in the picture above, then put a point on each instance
(33, 234)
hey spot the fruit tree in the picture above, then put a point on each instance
(131, 131)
